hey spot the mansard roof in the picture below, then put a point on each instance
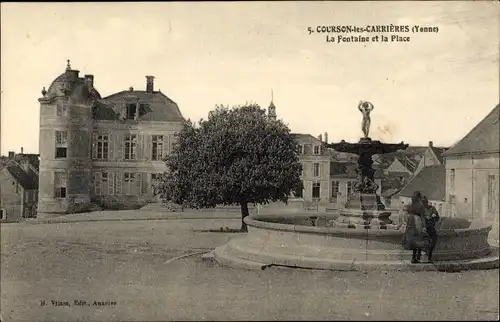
(155, 105)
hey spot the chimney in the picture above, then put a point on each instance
(320, 137)
(326, 137)
(11, 155)
(25, 164)
(150, 84)
(89, 80)
(22, 150)
(431, 144)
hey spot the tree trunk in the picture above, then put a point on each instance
(244, 213)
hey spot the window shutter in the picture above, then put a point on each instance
(139, 183)
(148, 150)
(140, 147)
(94, 146)
(144, 183)
(111, 146)
(97, 183)
(119, 145)
(111, 183)
(170, 143)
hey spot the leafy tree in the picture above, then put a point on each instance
(237, 156)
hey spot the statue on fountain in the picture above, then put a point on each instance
(364, 207)
(366, 108)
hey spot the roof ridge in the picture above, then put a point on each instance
(495, 110)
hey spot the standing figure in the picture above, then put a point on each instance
(413, 235)
(431, 217)
(365, 108)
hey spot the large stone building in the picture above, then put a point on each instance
(106, 151)
(472, 173)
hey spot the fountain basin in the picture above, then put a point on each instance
(301, 241)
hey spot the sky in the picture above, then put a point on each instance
(435, 87)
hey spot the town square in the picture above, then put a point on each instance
(149, 175)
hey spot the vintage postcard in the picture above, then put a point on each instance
(243, 161)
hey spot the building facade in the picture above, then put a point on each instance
(315, 161)
(106, 151)
(473, 173)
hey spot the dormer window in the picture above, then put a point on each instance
(131, 110)
(316, 150)
(300, 149)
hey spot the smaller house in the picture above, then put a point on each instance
(431, 182)
(407, 163)
(32, 159)
(18, 191)
(473, 173)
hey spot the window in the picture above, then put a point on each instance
(3, 214)
(157, 147)
(452, 178)
(491, 192)
(130, 147)
(300, 149)
(316, 170)
(335, 188)
(155, 177)
(101, 185)
(118, 183)
(102, 146)
(128, 183)
(60, 180)
(61, 144)
(316, 149)
(62, 110)
(132, 183)
(307, 148)
(316, 190)
(131, 110)
(298, 193)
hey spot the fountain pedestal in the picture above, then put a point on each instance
(364, 208)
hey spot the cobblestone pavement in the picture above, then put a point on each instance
(136, 272)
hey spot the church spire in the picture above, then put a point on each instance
(271, 110)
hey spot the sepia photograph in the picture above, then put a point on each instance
(250, 161)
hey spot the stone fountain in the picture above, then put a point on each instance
(359, 237)
(364, 209)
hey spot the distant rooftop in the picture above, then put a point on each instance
(430, 181)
